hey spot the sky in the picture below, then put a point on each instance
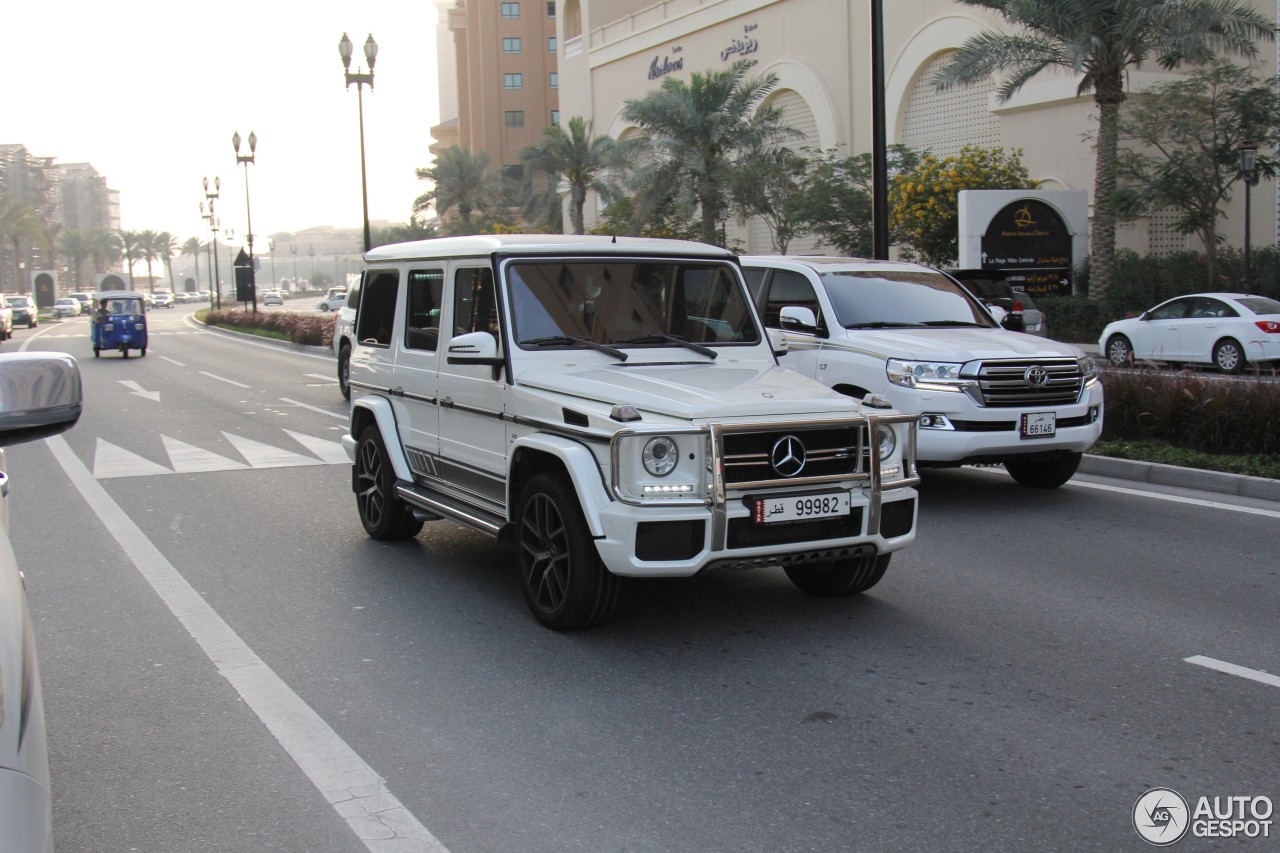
(151, 92)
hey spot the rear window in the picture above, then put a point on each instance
(879, 299)
(1261, 304)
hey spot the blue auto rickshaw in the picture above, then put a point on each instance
(119, 322)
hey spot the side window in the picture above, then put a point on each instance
(1175, 310)
(475, 307)
(353, 298)
(422, 309)
(1205, 307)
(789, 288)
(755, 281)
(378, 310)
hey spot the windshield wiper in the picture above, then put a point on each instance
(882, 325)
(950, 323)
(659, 338)
(575, 340)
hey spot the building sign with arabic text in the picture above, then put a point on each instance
(1030, 237)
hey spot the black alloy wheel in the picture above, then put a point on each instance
(384, 516)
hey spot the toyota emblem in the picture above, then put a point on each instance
(1036, 376)
(787, 456)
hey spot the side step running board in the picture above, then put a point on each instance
(482, 520)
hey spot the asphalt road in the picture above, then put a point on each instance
(201, 588)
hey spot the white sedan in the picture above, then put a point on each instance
(66, 307)
(1226, 330)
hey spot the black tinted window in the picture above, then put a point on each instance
(474, 307)
(1261, 304)
(789, 289)
(1175, 310)
(870, 298)
(377, 312)
(422, 309)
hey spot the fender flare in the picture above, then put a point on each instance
(581, 466)
(384, 416)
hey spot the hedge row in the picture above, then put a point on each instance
(1204, 412)
(306, 329)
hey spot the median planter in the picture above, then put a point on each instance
(303, 329)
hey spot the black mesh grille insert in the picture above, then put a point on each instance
(745, 533)
(896, 518)
(669, 540)
(828, 452)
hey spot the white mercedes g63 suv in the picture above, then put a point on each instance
(614, 407)
(915, 336)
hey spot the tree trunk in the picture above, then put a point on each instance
(577, 201)
(710, 213)
(1109, 96)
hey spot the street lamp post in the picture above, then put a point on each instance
(271, 247)
(1249, 170)
(246, 159)
(360, 78)
(311, 250)
(293, 250)
(213, 226)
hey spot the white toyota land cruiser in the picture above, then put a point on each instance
(913, 335)
(614, 407)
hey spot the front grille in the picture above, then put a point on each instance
(669, 540)
(1004, 383)
(896, 518)
(830, 452)
(745, 533)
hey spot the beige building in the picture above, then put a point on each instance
(498, 80)
(820, 51)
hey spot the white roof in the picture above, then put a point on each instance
(539, 244)
(100, 295)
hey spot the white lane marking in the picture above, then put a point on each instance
(1232, 669)
(224, 379)
(189, 459)
(357, 793)
(111, 461)
(261, 455)
(321, 377)
(137, 389)
(329, 451)
(316, 409)
(1269, 513)
(172, 361)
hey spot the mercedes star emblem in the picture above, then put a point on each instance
(787, 456)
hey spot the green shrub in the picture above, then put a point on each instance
(1073, 319)
(1207, 413)
(303, 329)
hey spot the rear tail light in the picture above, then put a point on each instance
(1017, 307)
(1271, 327)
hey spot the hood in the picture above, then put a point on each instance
(956, 344)
(693, 392)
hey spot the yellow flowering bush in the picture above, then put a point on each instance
(922, 200)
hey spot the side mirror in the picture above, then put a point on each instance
(778, 342)
(474, 348)
(40, 395)
(793, 318)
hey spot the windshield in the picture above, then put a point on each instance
(572, 303)
(122, 306)
(879, 299)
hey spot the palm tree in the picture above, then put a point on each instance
(462, 180)
(131, 248)
(76, 246)
(105, 249)
(699, 133)
(49, 235)
(148, 250)
(18, 222)
(1100, 40)
(576, 158)
(166, 247)
(194, 247)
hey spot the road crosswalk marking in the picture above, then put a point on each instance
(111, 461)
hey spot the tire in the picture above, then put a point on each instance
(564, 583)
(1119, 351)
(849, 576)
(124, 352)
(1043, 473)
(384, 516)
(97, 353)
(344, 371)
(143, 352)
(1228, 356)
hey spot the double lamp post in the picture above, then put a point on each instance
(360, 78)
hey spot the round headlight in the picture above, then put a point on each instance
(887, 439)
(660, 456)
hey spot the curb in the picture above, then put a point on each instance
(1262, 488)
(317, 350)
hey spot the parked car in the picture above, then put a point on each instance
(333, 301)
(272, 297)
(6, 321)
(162, 299)
(86, 302)
(66, 306)
(205, 295)
(42, 396)
(914, 336)
(1018, 309)
(344, 321)
(1225, 330)
(24, 311)
(612, 407)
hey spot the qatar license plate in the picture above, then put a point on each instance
(801, 507)
(1039, 425)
